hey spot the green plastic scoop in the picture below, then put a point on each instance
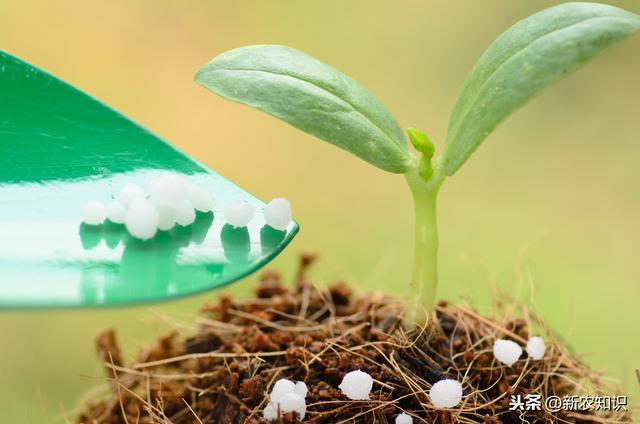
(60, 148)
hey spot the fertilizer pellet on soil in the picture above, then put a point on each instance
(286, 396)
(356, 385)
(507, 351)
(404, 419)
(536, 348)
(446, 393)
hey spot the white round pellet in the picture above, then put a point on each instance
(506, 351)
(286, 396)
(446, 393)
(270, 413)
(168, 190)
(536, 348)
(201, 199)
(281, 388)
(301, 389)
(142, 219)
(185, 214)
(129, 193)
(116, 212)
(277, 214)
(238, 214)
(293, 402)
(93, 213)
(166, 218)
(404, 419)
(356, 385)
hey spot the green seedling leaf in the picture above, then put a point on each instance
(531, 55)
(311, 96)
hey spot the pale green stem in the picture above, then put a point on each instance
(424, 281)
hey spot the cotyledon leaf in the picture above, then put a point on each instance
(311, 96)
(528, 57)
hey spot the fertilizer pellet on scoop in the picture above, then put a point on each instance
(174, 200)
(201, 199)
(167, 217)
(168, 190)
(116, 212)
(277, 214)
(142, 219)
(93, 213)
(238, 214)
(185, 214)
(129, 193)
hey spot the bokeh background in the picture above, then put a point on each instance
(551, 200)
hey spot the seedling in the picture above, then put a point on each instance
(320, 100)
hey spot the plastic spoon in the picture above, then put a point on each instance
(60, 148)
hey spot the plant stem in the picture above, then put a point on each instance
(425, 266)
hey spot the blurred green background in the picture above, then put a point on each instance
(552, 197)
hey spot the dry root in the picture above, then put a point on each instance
(224, 372)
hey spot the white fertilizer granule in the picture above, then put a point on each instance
(166, 217)
(168, 190)
(301, 389)
(185, 214)
(129, 193)
(277, 214)
(286, 396)
(506, 351)
(446, 393)
(142, 219)
(270, 412)
(356, 385)
(293, 402)
(536, 348)
(404, 419)
(201, 199)
(281, 388)
(93, 213)
(116, 212)
(238, 214)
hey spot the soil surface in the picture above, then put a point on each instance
(224, 372)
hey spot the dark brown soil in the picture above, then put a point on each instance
(223, 374)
